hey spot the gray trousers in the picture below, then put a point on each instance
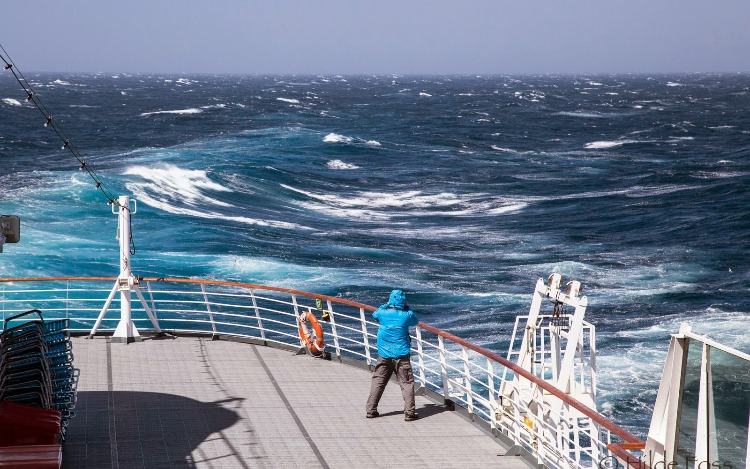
(382, 373)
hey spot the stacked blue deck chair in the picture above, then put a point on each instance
(36, 364)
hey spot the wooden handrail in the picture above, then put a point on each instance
(626, 436)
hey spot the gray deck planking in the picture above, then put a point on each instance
(194, 402)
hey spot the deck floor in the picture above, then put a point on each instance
(194, 402)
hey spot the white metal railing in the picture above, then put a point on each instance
(459, 371)
(702, 411)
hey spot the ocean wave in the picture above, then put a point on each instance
(288, 100)
(336, 138)
(586, 114)
(604, 144)
(182, 192)
(11, 102)
(426, 95)
(176, 184)
(338, 164)
(176, 111)
(504, 150)
(381, 205)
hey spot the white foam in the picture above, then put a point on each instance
(593, 115)
(175, 183)
(595, 83)
(373, 143)
(604, 144)
(380, 205)
(336, 138)
(182, 192)
(288, 100)
(338, 164)
(671, 83)
(11, 102)
(427, 95)
(61, 82)
(176, 111)
(185, 81)
(505, 150)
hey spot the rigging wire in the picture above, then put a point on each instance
(32, 97)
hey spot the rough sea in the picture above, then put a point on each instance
(460, 190)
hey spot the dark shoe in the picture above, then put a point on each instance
(411, 417)
(372, 415)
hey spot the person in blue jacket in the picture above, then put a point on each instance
(394, 345)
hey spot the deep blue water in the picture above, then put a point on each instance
(460, 190)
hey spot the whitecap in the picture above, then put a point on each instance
(338, 164)
(427, 95)
(184, 192)
(336, 138)
(373, 143)
(601, 145)
(592, 114)
(505, 150)
(185, 81)
(177, 184)
(288, 100)
(176, 111)
(12, 102)
(595, 83)
(671, 83)
(379, 205)
(61, 82)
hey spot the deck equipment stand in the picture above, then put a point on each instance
(126, 331)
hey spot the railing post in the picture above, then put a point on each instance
(365, 337)
(333, 331)
(257, 315)
(210, 314)
(576, 439)
(67, 298)
(296, 314)
(444, 372)
(491, 397)
(420, 357)
(467, 382)
(151, 297)
(539, 427)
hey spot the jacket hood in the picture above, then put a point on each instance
(397, 300)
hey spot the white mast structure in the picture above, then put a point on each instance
(126, 331)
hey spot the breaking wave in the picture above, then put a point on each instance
(176, 111)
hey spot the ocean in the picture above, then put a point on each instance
(460, 190)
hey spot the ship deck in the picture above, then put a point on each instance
(202, 403)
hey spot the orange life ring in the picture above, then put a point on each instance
(312, 340)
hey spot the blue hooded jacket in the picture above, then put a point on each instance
(395, 318)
